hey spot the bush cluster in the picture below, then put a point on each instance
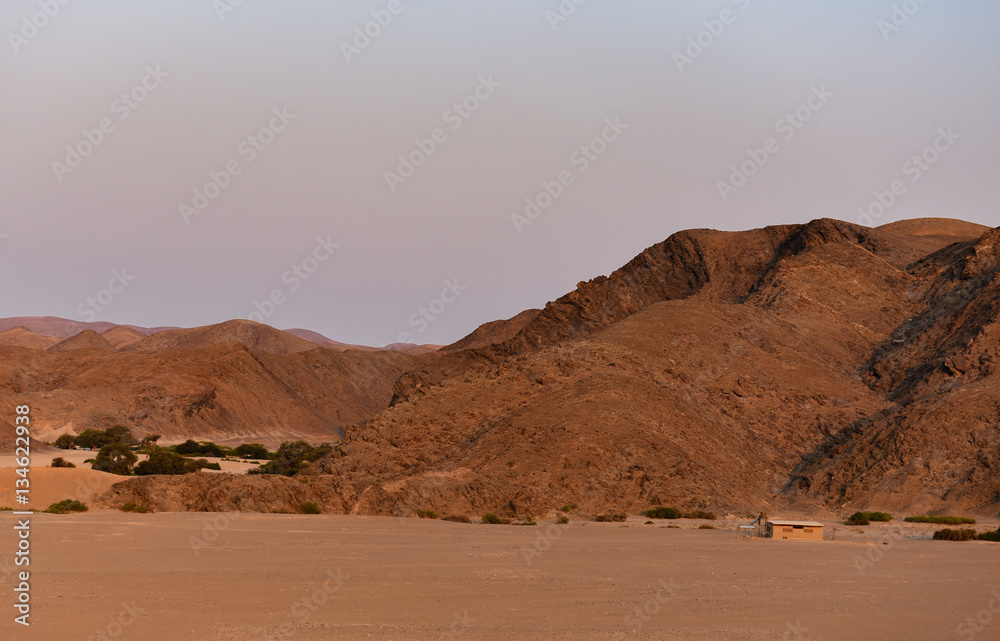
(132, 507)
(165, 461)
(990, 536)
(492, 519)
(457, 518)
(61, 462)
(955, 535)
(864, 518)
(66, 506)
(941, 520)
(663, 513)
(310, 507)
(610, 518)
(293, 457)
(193, 448)
(427, 514)
(673, 513)
(96, 439)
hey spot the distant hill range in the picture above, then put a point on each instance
(816, 368)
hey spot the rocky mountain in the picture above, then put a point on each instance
(822, 365)
(238, 381)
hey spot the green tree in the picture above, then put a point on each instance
(91, 439)
(252, 451)
(148, 443)
(115, 458)
(65, 441)
(293, 457)
(119, 434)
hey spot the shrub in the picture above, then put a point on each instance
(293, 457)
(310, 508)
(941, 520)
(610, 518)
(115, 458)
(61, 462)
(858, 518)
(65, 442)
(699, 514)
(863, 518)
(211, 466)
(569, 506)
(427, 514)
(66, 506)
(562, 520)
(142, 509)
(457, 518)
(706, 526)
(663, 513)
(252, 450)
(163, 461)
(6, 509)
(491, 519)
(128, 507)
(990, 536)
(955, 535)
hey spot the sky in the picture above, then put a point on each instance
(406, 170)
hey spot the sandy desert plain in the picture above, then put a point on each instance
(232, 577)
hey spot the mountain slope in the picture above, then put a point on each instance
(716, 396)
(220, 392)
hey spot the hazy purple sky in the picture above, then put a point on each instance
(114, 113)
